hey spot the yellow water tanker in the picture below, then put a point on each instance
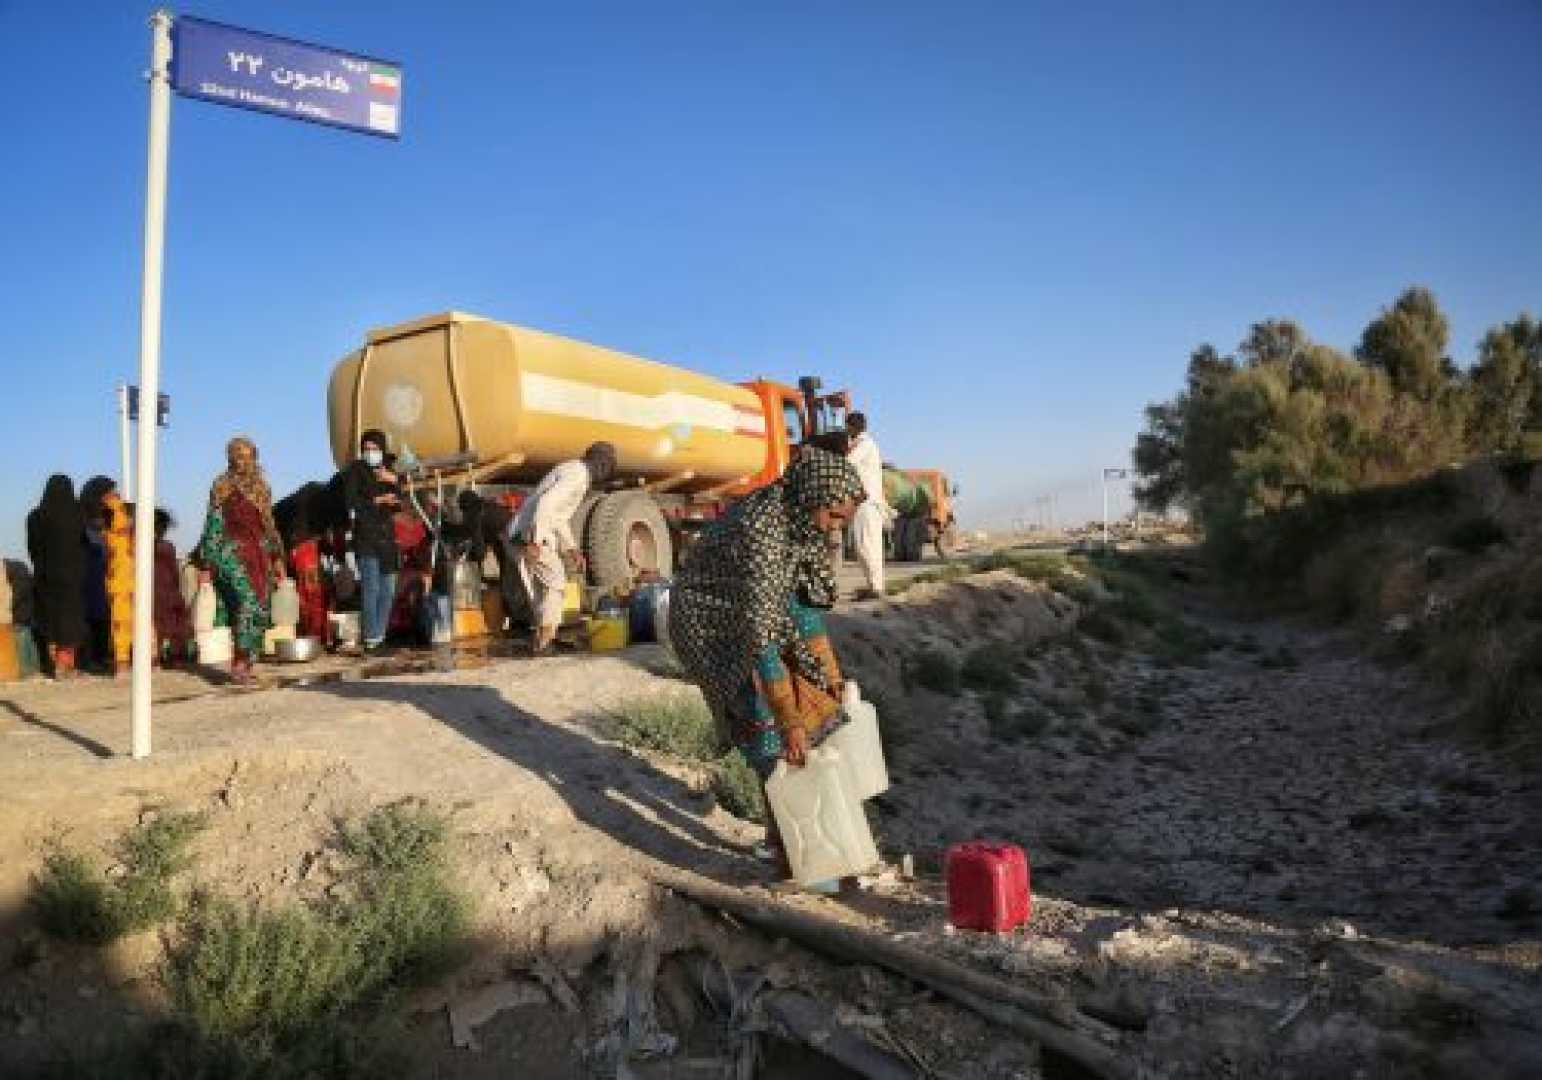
(518, 401)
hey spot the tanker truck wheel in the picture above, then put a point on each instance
(627, 536)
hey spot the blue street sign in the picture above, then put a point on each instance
(249, 70)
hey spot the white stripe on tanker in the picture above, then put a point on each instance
(587, 401)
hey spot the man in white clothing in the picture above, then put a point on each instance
(542, 533)
(873, 513)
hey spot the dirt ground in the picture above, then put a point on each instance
(1275, 864)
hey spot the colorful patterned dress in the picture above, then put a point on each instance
(119, 531)
(238, 546)
(777, 698)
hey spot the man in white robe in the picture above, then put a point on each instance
(542, 533)
(873, 514)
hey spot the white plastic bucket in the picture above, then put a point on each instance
(859, 745)
(344, 626)
(205, 606)
(286, 604)
(214, 647)
(821, 821)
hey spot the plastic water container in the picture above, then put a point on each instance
(214, 647)
(286, 604)
(858, 743)
(191, 576)
(273, 635)
(10, 660)
(344, 627)
(650, 601)
(820, 818)
(441, 619)
(205, 606)
(661, 622)
(988, 886)
(466, 585)
(608, 632)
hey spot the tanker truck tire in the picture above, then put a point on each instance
(627, 536)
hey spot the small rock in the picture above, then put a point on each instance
(27, 1027)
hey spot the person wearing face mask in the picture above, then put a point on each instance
(542, 534)
(374, 495)
(241, 549)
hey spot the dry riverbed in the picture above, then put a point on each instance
(1253, 855)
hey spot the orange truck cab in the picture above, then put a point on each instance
(794, 416)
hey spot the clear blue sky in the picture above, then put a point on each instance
(1005, 225)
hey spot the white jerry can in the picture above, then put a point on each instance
(859, 745)
(215, 646)
(820, 818)
(205, 607)
(286, 604)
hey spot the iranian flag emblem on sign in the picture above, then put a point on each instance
(385, 80)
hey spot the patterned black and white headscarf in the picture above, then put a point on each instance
(730, 597)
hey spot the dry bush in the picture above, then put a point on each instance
(678, 724)
(74, 899)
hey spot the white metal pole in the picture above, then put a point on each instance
(126, 477)
(150, 376)
(1105, 511)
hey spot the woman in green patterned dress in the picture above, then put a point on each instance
(242, 550)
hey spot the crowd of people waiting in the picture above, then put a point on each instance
(72, 609)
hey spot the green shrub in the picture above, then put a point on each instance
(738, 789)
(936, 670)
(407, 923)
(260, 976)
(1074, 587)
(297, 991)
(678, 724)
(989, 667)
(396, 839)
(74, 900)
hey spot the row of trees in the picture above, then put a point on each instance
(1285, 417)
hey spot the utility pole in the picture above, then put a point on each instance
(150, 377)
(1110, 474)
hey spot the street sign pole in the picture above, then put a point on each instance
(150, 377)
(126, 476)
(1105, 509)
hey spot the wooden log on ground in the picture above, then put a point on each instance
(1055, 1023)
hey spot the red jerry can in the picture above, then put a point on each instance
(987, 886)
